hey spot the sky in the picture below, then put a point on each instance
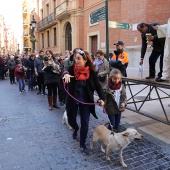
(12, 12)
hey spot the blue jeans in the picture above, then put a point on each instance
(21, 84)
(115, 120)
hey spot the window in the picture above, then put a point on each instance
(54, 4)
(48, 39)
(47, 9)
(55, 37)
(42, 14)
(42, 40)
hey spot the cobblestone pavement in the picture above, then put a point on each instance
(33, 138)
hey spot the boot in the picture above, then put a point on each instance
(55, 101)
(50, 102)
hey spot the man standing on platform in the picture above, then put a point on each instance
(164, 31)
(149, 34)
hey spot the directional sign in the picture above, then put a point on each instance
(98, 15)
(121, 25)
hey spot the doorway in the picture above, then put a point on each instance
(94, 44)
(68, 37)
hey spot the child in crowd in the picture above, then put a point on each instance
(115, 98)
(20, 74)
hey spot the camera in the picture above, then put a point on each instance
(46, 58)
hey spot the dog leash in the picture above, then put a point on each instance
(95, 103)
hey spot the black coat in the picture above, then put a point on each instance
(49, 76)
(92, 85)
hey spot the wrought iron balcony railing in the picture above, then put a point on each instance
(46, 21)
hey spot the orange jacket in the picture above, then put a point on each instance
(122, 56)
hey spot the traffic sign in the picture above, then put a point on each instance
(98, 15)
(121, 25)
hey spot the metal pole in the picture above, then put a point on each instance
(107, 31)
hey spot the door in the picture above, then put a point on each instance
(68, 37)
(94, 44)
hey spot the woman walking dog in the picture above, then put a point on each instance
(82, 81)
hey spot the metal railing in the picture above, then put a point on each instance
(46, 21)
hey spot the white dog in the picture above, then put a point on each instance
(65, 120)
(114, 141)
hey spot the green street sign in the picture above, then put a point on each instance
(120, 25)
(98, 15)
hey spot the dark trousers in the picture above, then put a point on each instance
(11, 75)
(152, 62)
(115, 120)
(52, 89)
(30, 81)
(2, 72)
(84, 118)
(40, 81)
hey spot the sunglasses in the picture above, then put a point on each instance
(81, 52)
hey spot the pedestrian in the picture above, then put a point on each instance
(102, 68)
(20, 75)
(164, 31)
(39, 73)
(2, 65)
(70, 59)
(11, 66)
(30, 72)
(120, 58)
(52, 79)
(158, 48)
(115, 98)
(82, 81)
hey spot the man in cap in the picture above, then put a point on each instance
(120, 58)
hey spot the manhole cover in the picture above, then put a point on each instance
(141, 97)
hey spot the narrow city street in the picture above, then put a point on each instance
(33, 138)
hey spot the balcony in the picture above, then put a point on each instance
(62, 11)
(47, 22)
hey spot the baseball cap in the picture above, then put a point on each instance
(119, 43)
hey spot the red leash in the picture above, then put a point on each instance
(104, 111)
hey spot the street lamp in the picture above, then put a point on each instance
(18, 48)
(32, 28)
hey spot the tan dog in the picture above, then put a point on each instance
(65, 120)
(114, 141)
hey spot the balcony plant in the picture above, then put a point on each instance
(33, 40)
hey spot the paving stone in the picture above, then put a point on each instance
(33, 138)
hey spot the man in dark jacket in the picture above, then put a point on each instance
(38, 65)
(158, 48)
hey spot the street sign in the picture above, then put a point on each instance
(98, 15)
(121, 25)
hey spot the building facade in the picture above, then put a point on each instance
(66, 24)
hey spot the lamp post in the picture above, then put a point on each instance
(18, 48)
(32, 28)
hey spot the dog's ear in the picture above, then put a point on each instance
(125, 133)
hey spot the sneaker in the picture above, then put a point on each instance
(23, 91)
(84, 149)
(20, 92)
(14, 83)
(149, 77)
(44, 93)
(161, 80)
(38, 93)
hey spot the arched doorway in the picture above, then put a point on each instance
(68, 37)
